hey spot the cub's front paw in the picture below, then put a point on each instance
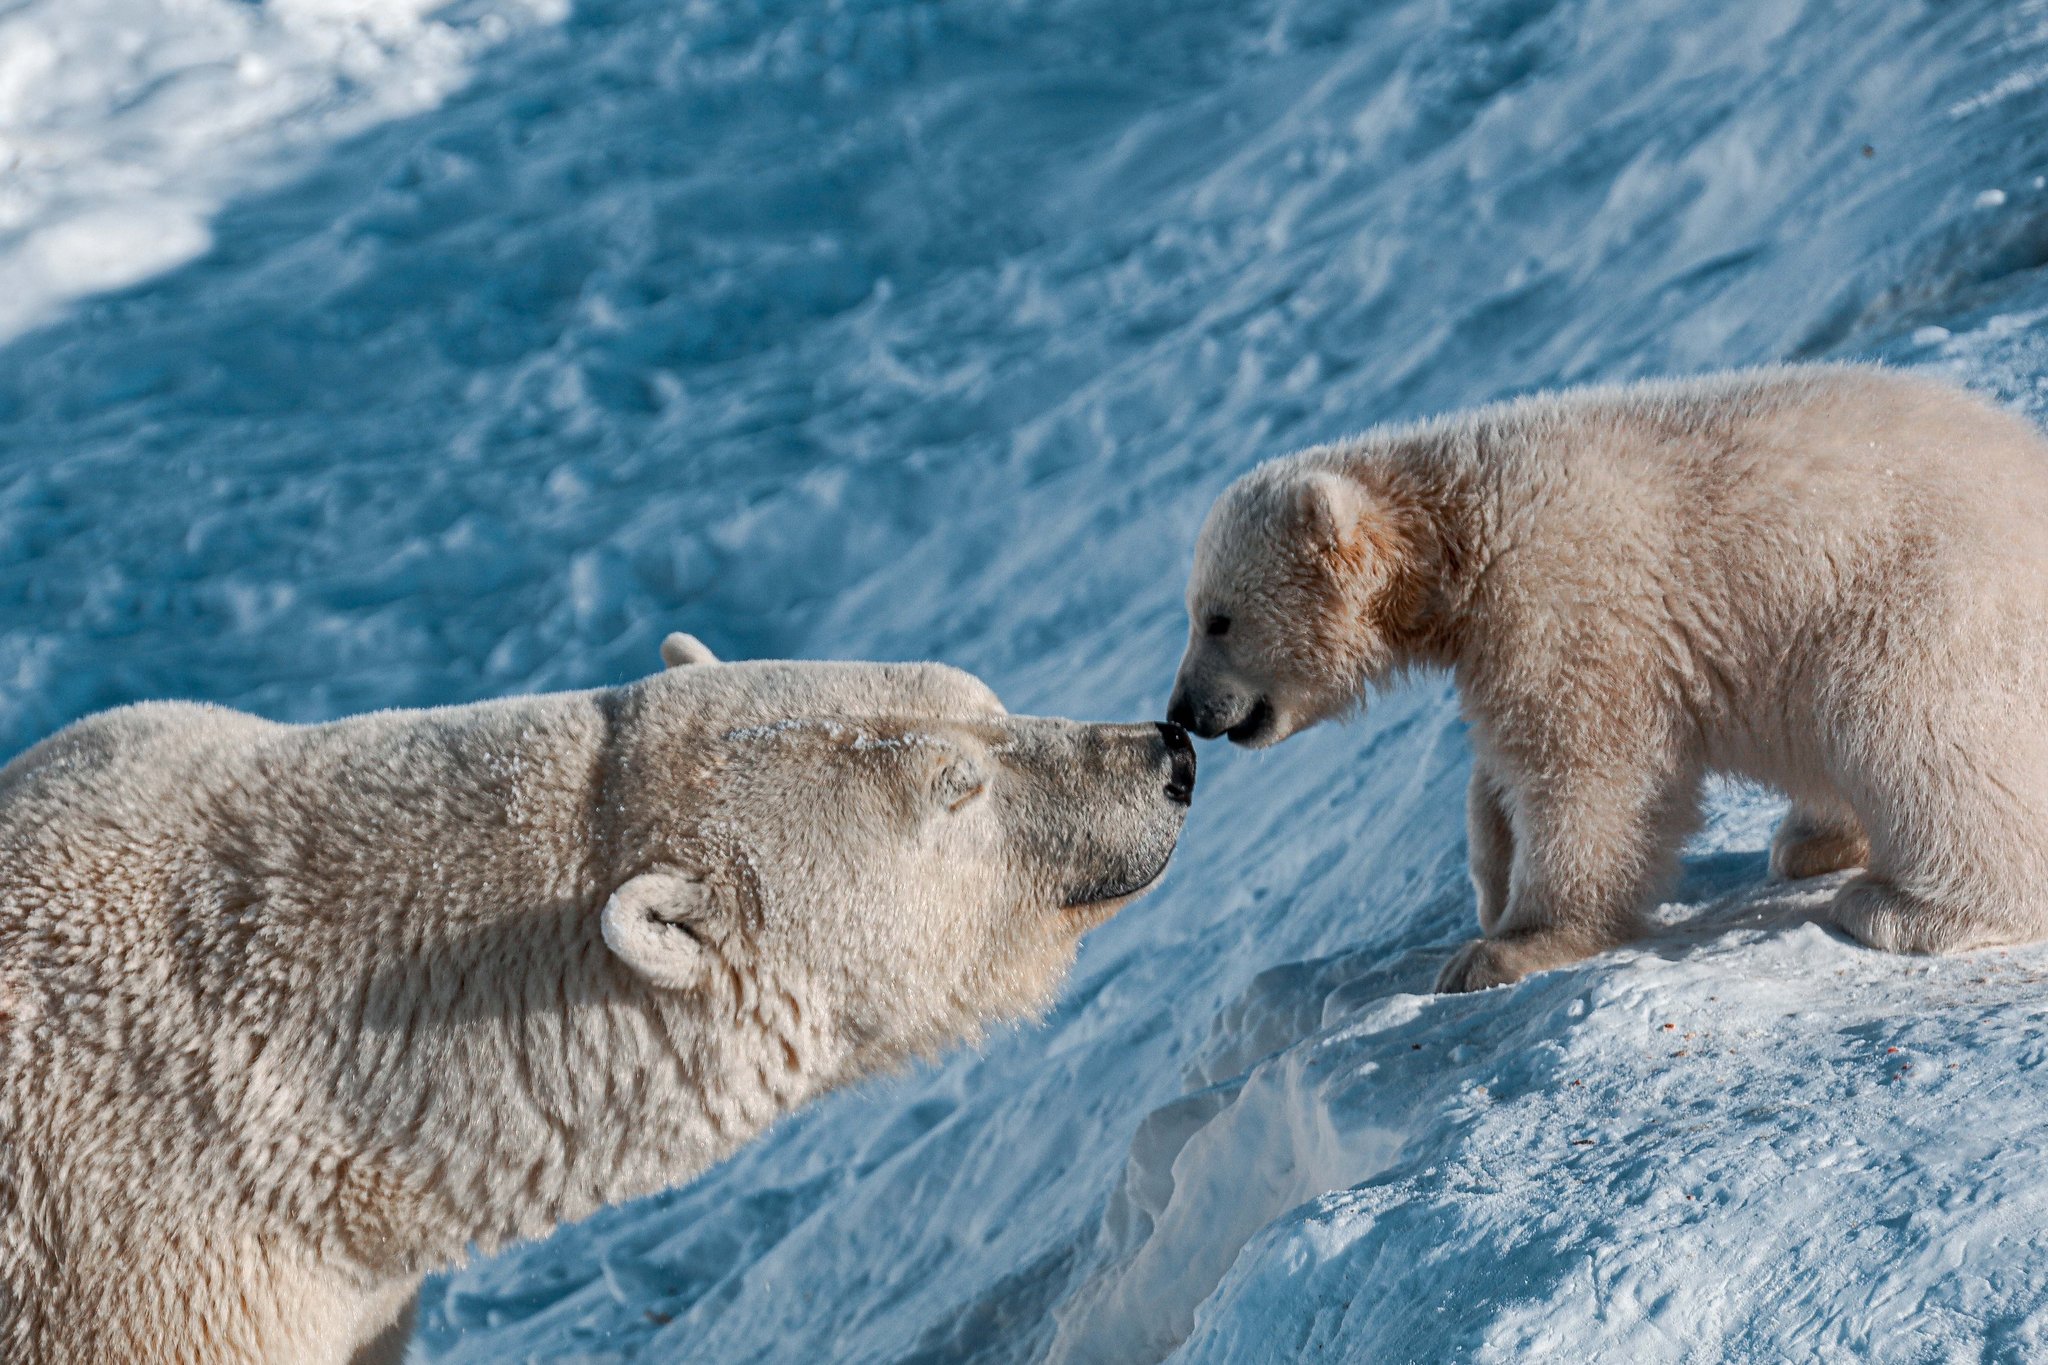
(1482, 963)
(1488, 962)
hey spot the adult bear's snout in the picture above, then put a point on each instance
(1111, 804)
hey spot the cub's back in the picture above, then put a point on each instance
(1808, 443)
(1781, 480)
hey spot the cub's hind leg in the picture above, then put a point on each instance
(1880, 915)
(1813, 841)
(1958, 858)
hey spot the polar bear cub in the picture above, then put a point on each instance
(292, 1015)
(1830, 579)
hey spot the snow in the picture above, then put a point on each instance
(394, 354)
(125, 123)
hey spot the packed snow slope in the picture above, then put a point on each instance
(459, 352)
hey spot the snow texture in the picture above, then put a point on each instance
(393, 354)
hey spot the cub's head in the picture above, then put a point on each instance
(1302, 583)
(888, 850)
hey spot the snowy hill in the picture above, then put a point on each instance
(453, 352)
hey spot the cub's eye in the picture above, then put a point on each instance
(1216, 625)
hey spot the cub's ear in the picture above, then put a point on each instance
(680, 650)
(658, 924)
(1329, 504)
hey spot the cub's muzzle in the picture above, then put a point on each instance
(1212, 713)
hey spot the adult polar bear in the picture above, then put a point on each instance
(1831, 579)
(290, 1016)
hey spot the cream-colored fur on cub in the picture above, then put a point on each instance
(1830, 579)
(292, 1015)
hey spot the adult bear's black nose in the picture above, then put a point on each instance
(1180, 711)
(1180, 751)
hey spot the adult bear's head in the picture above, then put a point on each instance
(873, 859)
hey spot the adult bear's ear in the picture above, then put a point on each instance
(680, 651)
(659, 924)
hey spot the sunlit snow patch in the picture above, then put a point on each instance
(125, 123)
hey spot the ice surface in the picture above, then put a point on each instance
(453, 352)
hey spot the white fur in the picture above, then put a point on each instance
(290, 1016)
(1830, 579)
(681, 650)
(639, 923)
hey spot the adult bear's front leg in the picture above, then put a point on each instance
(1590, 850)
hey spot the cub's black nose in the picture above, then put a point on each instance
(1180, 787)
